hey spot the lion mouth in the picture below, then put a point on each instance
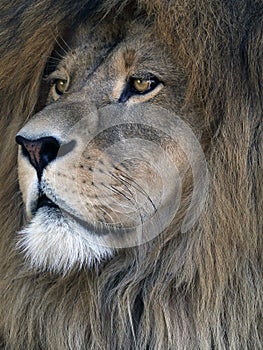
(44, 201)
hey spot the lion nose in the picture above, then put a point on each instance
(40, 152)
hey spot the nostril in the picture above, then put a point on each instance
(49, 149)
(40, 152)
(20, 140)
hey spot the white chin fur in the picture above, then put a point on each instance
(52, 242)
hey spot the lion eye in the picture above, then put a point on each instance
(141, 85)
(60, 86)
(144, 85)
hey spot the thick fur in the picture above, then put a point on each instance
(200, 290)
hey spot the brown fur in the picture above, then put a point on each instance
(202, 290)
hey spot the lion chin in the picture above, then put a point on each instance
(53, 241)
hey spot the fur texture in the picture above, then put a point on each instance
(200, 290)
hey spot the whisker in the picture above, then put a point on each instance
(137, 206)
(53, 60)
(66, 44)
(124, 178)
(61, 41)
(107, 214)
(123, 183)
(115, 190)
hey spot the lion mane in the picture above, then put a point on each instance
(197, 290)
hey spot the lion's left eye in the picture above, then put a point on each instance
(58, 86)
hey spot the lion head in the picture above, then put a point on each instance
(137, 218)
(100, 166)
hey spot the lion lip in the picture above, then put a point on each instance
(44, 201)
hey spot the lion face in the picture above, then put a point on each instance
(104, 165)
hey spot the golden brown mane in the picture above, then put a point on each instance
(202, 290)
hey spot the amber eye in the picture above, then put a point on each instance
(141, 85)
(60, 86)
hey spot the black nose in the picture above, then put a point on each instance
(40, 152)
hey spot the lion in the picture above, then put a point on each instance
(131, 205)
